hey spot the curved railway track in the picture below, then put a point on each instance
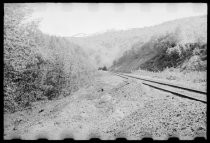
(175, 89)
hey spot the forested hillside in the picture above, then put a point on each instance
(38, 66)
(128, 49)
(106, 47)
(184, 47)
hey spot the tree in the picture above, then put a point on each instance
(104, 68)
(37, 66)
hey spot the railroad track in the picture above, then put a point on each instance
(176, 89)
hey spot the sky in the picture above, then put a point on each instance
(77, 19)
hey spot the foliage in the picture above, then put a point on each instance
(103, 68)
(106, 47)
(38, 66)
(164, 51)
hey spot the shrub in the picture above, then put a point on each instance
(37, 66)
(172, 53)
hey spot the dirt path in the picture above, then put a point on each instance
(112, 107)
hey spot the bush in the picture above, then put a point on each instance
(172, 53)
(103, 68)
(37, 66)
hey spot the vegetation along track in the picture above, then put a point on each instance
(176, 89)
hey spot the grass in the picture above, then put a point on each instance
(196, 79)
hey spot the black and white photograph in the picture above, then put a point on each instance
(104, 71)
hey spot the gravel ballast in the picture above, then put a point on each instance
(113, 107)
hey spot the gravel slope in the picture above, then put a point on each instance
(113, 107)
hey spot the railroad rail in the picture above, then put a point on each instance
(176, 89)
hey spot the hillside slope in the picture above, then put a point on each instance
(184, 41)
(105, 48)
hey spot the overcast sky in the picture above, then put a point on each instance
(68, 19)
